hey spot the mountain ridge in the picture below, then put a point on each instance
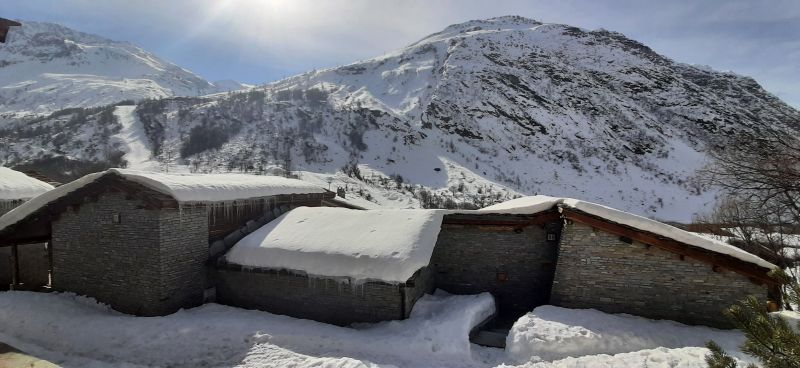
(481, 112)
(46, 67)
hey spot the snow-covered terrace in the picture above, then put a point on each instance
(183, 188)
(391, 245)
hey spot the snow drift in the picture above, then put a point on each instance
(386, 245)
(554, 333)
(75, 331)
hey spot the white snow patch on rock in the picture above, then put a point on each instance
(386, 245)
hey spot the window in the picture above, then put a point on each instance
(551, 237)
(115, 218)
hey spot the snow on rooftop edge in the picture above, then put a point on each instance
(218, 187)
(182, 187)
(17, 185)
(539, 203)
(387, 245)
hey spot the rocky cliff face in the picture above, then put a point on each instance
(480, 112)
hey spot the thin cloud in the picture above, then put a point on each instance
(262, 40)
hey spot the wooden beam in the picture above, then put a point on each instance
(501, 220)
(683, 250)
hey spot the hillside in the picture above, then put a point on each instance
(45, 67)
(482, 111)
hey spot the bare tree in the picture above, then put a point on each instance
(763, 169)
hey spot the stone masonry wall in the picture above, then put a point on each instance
(117, 264)
(467, 260)
(183, 254)
(326, 300)
(149, 263)
(598, 270)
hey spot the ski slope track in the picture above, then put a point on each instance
(476, 114)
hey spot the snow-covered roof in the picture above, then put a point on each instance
(16, 185)
(386, 245)
(218, 187)
(539, 203)
(191, 188)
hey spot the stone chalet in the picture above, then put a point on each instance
(140, 241)
(149, 244)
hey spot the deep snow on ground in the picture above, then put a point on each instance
(76, 331)
(551, 332)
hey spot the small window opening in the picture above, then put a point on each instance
(115, 219)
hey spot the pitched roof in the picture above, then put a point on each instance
(386, 245)
(539, 203)
(184, 188)
(15, 185)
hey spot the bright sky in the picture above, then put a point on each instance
(256, 41)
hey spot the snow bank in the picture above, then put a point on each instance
(75, 331)
(791, 317)
(387, 245)
(16, 185)
(541, 203)
(554, 333)
(195, 188)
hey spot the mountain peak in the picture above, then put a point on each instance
(45, 67)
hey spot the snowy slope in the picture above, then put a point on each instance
(481, 112)
(46, 67)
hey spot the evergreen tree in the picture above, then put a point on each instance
(769, 338)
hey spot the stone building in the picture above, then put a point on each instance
(148, 244)
(526, 253)
(334, 265)
(140, 241)
(23, 266)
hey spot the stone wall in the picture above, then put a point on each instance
(327, 300)
(471, 260)
(150, 263)
(598, 270)
(183, 254)
(33, 260)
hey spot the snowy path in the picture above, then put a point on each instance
(133, 138)
(74, 331)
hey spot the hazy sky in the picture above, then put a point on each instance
(258, 41)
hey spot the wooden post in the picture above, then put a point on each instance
(50, 263)
(14, 267)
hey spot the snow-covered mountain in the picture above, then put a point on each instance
(480, 112)
(46, 67)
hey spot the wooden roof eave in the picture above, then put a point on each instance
(500, 219)
(36, 227)
(754, 272)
